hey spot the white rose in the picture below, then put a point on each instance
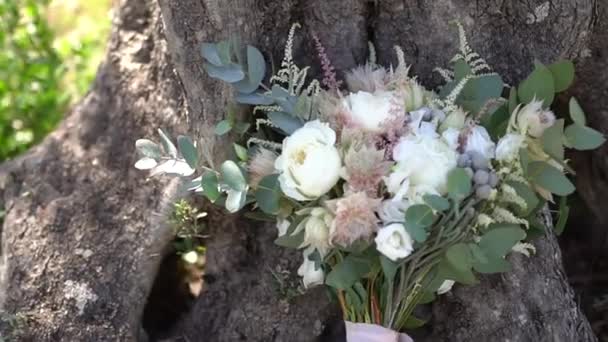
(393, 210)
(479, 140)
(190, 257)
(311, 276)
(394, 241)
(425, 163)
(316, 230)
(369, 110)
(532, 119)
(445, 287)
(508, 146)
(309, 163)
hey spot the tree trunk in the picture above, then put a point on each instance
(85, 232)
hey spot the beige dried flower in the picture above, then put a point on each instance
(261, 165)
(366, 78)
(364, 167)
(354, 218)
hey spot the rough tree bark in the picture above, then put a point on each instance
(84, 232)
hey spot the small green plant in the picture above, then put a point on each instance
(188, 230)
(11, 325)
(286, 286)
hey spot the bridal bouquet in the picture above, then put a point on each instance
(393, 192)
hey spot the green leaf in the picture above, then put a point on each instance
(210, 53)
(524, 159)
(479, 90)
(241, 127)
(498, 122)
(583, 137)
(563, 74)
(459, 256)
(289, 239)
(285, 122)
(209, 182)
(148, 148)
(539, 84)
(268, 194)
(564, 211)
(420, 215)
(240, 151)
(576, 112)
(233, 176)
(231, 73)
(389, 267)
(255, 65)
(550, 178)
(499, 241)
(524, 191)
(347, 272)
(461, 69)
(256, 99)
(188, 150)
(552, 140)
(168, 146)
(445, 270)
(495, 245)
(413, 323)
(418, 233)
(459, 184)
(438, 203)
(236, 200)
(223, 127)
(512, 100)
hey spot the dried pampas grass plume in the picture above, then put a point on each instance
(261, 165)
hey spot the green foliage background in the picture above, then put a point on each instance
(49, 52)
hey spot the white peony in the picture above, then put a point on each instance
(311, 275)
(423, 164)
(309, 163)
(445, 287)
(369, 110)
(508, 146)
(533, 119)
(316, 230)
(479, 140)
(394, 241)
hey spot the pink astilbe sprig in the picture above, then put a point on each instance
(261, 165)
(330, 79)
(354, 218)
(364, 168)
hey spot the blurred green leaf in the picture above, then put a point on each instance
(233, 176)
(188, 150)
(459, 184)
(268, 194)
(550, 178)
(223, 127)
(563, 74)
(240, 151)
(583, 137)
(576, 112)
(564, 212)
(209, 182)
(539, 85)
(552, 140)
(347, 272)
(436, 202)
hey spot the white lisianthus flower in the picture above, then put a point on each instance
(420, 127)
(424, 162)
(450, 136)
(311, 275)
(445, 287)
(316, 230)
(479, 140)
(394, 241)
(393, 210)
(369, 110)
(533, 119)
(282, 226)
(508, 146)
(309, 163)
